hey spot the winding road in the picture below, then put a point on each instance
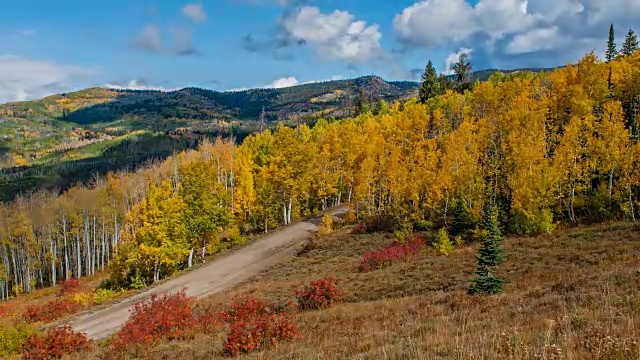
(215, 276)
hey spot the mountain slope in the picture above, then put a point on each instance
(67, 138)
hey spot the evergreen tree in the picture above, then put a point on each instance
(445, 83)
(611, 45)
(630, 45)
(490, 255)
(362, 105)
(430, 86)
(462, 70)
(461, 217)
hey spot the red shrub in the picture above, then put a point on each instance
(255, 325)
(206, 321)
(50, 311)
(69, 287)
(392, 254)
(169, 317)
(244, 308)
(258, 332)
(57, 342)
(319, 294)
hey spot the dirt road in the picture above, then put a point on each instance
(216, 276)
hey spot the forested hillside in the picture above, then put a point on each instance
(547, 148)
(68, 139)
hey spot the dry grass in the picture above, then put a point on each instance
(14, 308)
(572, 295)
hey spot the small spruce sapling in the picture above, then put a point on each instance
(490, 255)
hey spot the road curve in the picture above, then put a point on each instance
(213, 277)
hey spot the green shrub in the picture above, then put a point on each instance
(422, 225)
(12, 337)
(103, 296)
(138, 282)
(404, 230)
(235, 236)
(540, 222)
(442, 243)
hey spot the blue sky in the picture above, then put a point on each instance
(51, 46)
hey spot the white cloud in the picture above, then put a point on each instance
(453, 58)
(26, 79)
(336, 35)
(438, 22)
(435, 22)
(534, 40)
(138, 84)
(282, 83)
(550, 32)
(195, 12)
(28, 32)
(286, 82)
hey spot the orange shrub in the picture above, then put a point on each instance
(55, 343)
(258, 332)
(50, 311)
(255, 325)
(70, 286)
(170, 316)
(319, 294)
(244, 308)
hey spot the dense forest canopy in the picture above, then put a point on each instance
(547, 148)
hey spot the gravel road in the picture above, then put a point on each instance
(215, 276)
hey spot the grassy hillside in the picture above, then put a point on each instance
(569, 295)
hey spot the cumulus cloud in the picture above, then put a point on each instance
(435, 22)
(549, 32)
(195, 12)
(282, 83)
(137, 84)
(26, 79)
(151, 40)
(287, 82)
(336, 35)
(535, 40)
(453, 58)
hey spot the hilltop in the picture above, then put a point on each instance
(67, 138)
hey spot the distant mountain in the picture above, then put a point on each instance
(106, 109)
(74, 135)
(117, 111)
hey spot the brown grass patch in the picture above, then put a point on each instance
(571, 295)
